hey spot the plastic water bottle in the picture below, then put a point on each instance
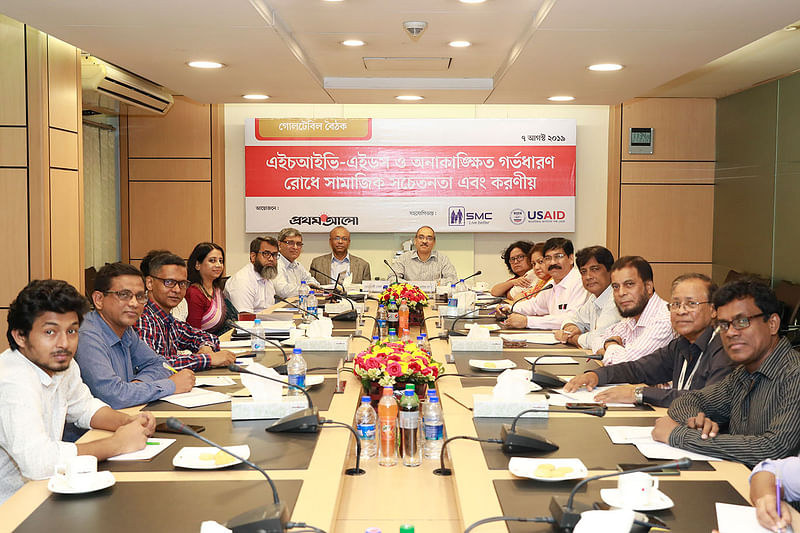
(376, 340)
(302, 293)
(383, 324)
(257, 344)
(366, 422)
(433, 425)
(408, 422)
(403, 313)
(387, 422)
(425, 346)
(392, 336)
(392, 315)
(405, 336)
(296, 368)
(452, 302)
(461, 286)
(311, 306)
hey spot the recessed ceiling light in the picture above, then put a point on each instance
(472, 1)
(205, 64)
(332, 0)
(460, 44)
(409, 97)
(561, 98)
(255, 96)
(605, 67)
(793, 27)
(353, 42)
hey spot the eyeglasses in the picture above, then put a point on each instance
(517, 259)
(690, 306)
(737, 323)
(554, 257)
(426, 238)
(293, 244)
(341, 239)
(125, 295)
(266, 255)
(169, 283)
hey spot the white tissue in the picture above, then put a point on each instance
(210, 526)
(478, 334)
(263, 390)
(613, 521)
(320, 329)
(513, 384)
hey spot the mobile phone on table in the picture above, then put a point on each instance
(583, 405)
(163, 428)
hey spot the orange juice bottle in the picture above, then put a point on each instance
(387, 421)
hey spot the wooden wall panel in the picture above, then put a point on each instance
(65, 227)
(684, 128)
(667, 223)
(185, 131)
(169, 169)
(63, 149)
(664, 273)
(692, 172)
(12, 73)
(3, 320)
(171, 215)
(63, 82)
(13, 232)
(13, 146)
(612, 202)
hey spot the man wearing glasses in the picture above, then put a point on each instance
(690, 362)
(757, 401)
(290, 272)
(565, 293)
(339, 264)
(118, 366)
(166, 285)
(424, 263)
(251, 289)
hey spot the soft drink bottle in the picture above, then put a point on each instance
(387, 422)
(408, 421)
(403, 314)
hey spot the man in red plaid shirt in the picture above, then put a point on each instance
(166, 335)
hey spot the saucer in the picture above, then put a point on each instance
(492, 365)
(102, 480)
(659, 501)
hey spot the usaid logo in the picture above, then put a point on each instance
(551, 216)
(517, 216)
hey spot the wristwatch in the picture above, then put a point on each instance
(638, 395)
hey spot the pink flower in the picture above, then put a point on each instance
(372, 363)
(394, 358)
(426, 372)
(394, 369)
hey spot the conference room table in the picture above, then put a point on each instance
(309, 469)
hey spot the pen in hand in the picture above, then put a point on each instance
(168, 367)
(778, 500)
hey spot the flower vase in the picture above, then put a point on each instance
(375, 390)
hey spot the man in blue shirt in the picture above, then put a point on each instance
(119, 367)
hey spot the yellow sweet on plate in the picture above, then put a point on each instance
(219, 458)
(489, 364)
(548, 470)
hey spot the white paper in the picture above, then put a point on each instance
(210, 526)
(146, 453)
(629, 434)
(197, 398)
(611, 521)
(213, 381)
(263, 390)
(550, 360)
(582, 396)
(490, 327)
(739, 519)
(659, 450)
(227, 345)
(535, 338)
(271, 326)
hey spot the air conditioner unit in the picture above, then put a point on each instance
(105, 78)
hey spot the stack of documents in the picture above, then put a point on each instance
(640, 436)
(197, 398)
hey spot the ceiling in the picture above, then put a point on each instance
(522, 52)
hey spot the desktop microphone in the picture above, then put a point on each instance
(290, 304)
(280, 369)
(531, 295)
(305, 421)
(526, 441)
(550, 381)
(347, 315)
(478, 273)
(271, 519)
(334, 280)
(396, 277)
(566, 518)
(452, 330)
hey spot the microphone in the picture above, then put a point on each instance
(271, 519)
(280, 369)
(290, 304)
(442, 471)
(478, 273)
(334, 280)
(567, 519)
(551, 381)
(526, 441)
(347, 315)
(396, 277)
(305, 421)
(452, 330)
(531, 295)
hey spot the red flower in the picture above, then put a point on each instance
(414, 366)
(426, 371)
(394, 369)
(394, 357)
(372, 363)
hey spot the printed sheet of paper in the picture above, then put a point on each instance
(213, 381)
(197, 398)
(582, 396)
(549, 360)
(534, 338)
(739, 519)
(154, 447)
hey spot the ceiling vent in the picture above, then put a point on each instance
(105, 78)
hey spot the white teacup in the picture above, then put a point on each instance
(636, 489)
(79, 472)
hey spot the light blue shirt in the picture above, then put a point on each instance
(109, 364)
(338, 266)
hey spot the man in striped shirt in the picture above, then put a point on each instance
(646, 326)
(757, 401)
(424, 263)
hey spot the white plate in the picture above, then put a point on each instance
(526, 467)
(103, 480)
(658, 502)
(189, 457)
(490, 365)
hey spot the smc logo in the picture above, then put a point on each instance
(547, 215)
(459, 216)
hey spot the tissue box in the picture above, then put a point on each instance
(341, 307)
(249, 409)
(330, 344)
(463, 344)
(486, 406)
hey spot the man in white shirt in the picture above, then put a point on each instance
(583, 324)
(41, 389)
(548, 309)
(646, 325)
(251, 289)
(424, 263)
(290, 272)
(340, 263)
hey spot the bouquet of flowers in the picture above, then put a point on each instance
(390, 362)
(415, 298)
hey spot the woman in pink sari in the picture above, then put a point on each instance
(207, 309)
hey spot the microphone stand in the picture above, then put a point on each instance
(396, 277)
(280, 369)
(478, 273)
(357, 470)
(347, 315)
(273, 519)
(526, 441)
(452, 331)
(442, 471)
(287, 302)
(531, 295)
(550, 381)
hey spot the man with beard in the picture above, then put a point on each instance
(41, 389)
(251, 289)
(646, 325)
(339, 264)
(166, 284)
(548, 310)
